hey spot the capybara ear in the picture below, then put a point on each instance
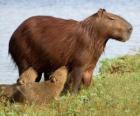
(20, 82)
(101, 12)
(53, 80)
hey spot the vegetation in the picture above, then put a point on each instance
(115, 91)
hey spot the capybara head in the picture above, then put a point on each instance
(27, 76)
(7, 90)
(60, 75)
(112, 26)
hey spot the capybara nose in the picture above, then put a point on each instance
(130, 28)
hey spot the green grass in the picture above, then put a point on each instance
(115, 92)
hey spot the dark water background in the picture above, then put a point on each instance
(13, 12)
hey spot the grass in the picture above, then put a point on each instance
(115, 92)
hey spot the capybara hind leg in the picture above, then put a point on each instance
(38, 77)
(87, 78)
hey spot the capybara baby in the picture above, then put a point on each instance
(41, 92)
(27, 76)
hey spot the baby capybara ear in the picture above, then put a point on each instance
(53, 80)
(20, 82)
(59, 75)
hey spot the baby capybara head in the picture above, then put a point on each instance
(27, 76)
(60, 75)
(112, 26)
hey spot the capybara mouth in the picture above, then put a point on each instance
(128, 33)
(127, 36)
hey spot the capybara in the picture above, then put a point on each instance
(28, 76)
(7, 91)
(39, 93)
(46, 43)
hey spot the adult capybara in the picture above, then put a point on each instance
(40, 93)
(28, 76)
(46, 43)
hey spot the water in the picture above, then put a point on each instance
(13, 12)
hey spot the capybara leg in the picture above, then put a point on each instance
(68, 84)
(21, 70)
(38, 77)
(22, 67)
(76, 76)
(46, 76)
(87, 78)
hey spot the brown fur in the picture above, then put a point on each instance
(27, 76)
(7, 90)
(39, 93)
(46, 43)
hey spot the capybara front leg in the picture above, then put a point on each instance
(76, 77)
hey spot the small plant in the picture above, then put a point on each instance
(122, 65)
